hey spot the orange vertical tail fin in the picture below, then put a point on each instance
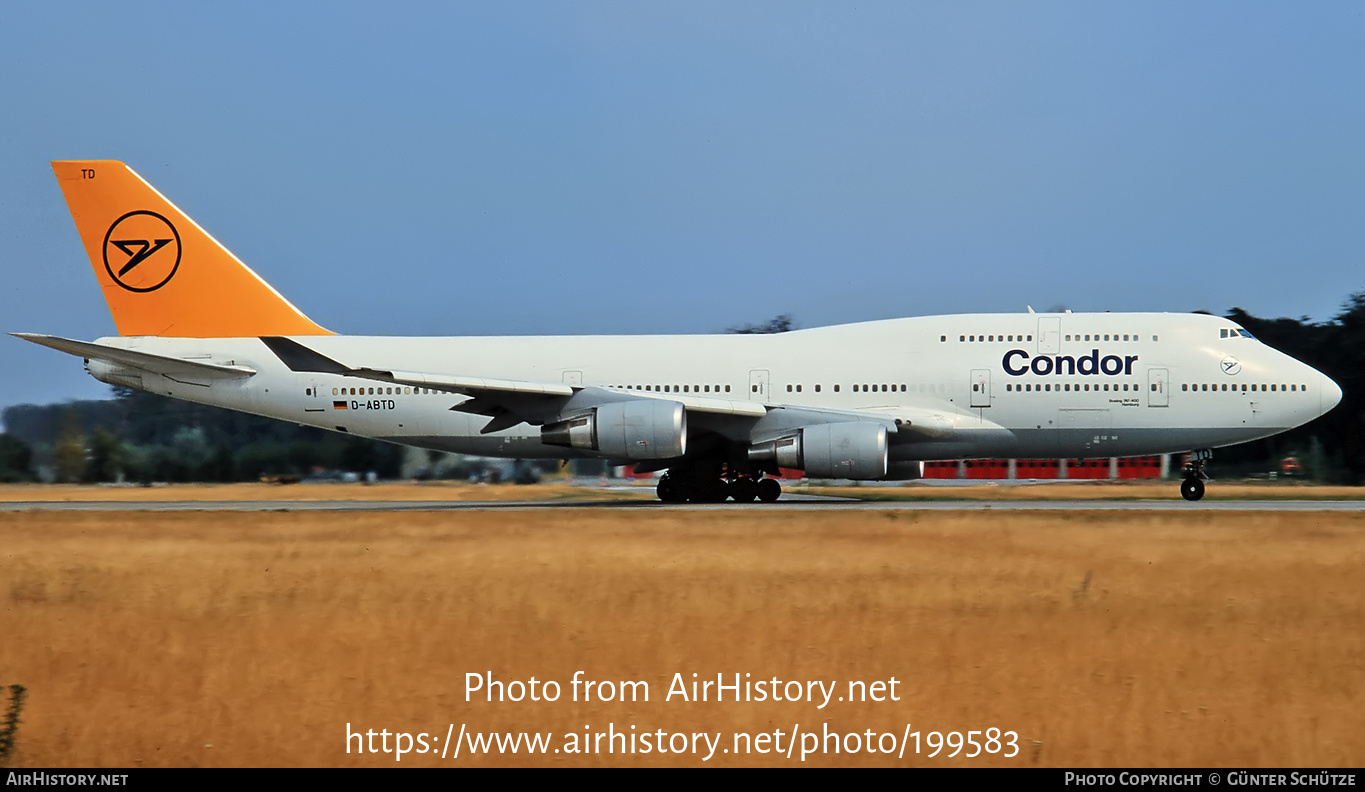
(162, 274)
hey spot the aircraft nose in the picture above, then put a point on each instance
(1331, 394)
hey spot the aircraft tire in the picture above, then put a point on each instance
(744, 490)
(1192, 489)
(669, 491)
(769, 490)
(709, 491)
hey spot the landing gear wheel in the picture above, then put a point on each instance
(744, 490)
(669, 491)
(711, 491)
(1192, 489)
(768, 490)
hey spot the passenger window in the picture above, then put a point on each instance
(334, 391)
(798, 388)
(789, 389)
(727, 388)
(817, 388)
(1185, 387)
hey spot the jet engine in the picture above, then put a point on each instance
(635, 429)
(856, 450)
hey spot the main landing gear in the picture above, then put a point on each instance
(1193, 476)
(679, 487)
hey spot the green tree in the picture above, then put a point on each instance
(69, 456)
(106, 456)
(16, 459)
(778, 324)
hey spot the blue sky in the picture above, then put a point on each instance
(543, 168)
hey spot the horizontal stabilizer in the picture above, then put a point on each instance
(176, 368)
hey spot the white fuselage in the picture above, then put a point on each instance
(1035, 385)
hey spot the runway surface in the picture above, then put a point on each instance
(790, 501)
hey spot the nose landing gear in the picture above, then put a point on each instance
(1193, 475)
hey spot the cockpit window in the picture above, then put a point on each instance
(1235, 332)
(1245, 334)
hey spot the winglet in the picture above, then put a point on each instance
(161, 273)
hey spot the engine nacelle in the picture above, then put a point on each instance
(635, 429)
(855, 450)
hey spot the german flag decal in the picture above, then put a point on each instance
(338, 405)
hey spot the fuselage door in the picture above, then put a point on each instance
(758, 385)
(981, 387)
(1158, 387)
(1049, 335)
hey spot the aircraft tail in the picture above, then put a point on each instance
(161, 274)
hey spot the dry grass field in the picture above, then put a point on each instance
(1151, 639)
(386, 491)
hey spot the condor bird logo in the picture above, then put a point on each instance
(142, 251)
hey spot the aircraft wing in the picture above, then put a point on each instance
(508, 402)
(905, 424)
(175, 368)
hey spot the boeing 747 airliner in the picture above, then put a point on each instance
(719, 413)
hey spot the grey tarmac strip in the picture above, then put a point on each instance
(789, 501)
